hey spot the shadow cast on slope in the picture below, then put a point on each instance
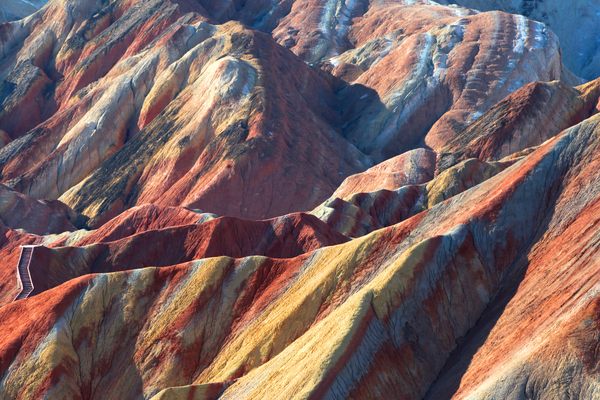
(448, 381)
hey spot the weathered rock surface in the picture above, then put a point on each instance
(183, 112)
(403, 57)
(410, 168)
(252, 324)
(362, 212)
(284, 237)
(151, 236)
(11, 10)
(581, 51)
(159, 106)
(553, 300)
(457, 67)
(524, 119)
(295, 199)
(407, 184)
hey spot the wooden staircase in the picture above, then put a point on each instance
(23, 275)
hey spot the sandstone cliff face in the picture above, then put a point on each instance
(295, 199)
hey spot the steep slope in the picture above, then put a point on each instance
(404, 56)
(183, 112)
(137, 220)
(523, 119)
(435, 58)
(554, 302)
(171, 110)
(581, 51)
(413, 167)
(414, 288)
(363, 212)
(407, 184)
(11, 10)
(164, 157)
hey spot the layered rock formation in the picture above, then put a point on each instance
(365, 304)
(299, 199)
(170, 109)
(164, 105)
(11, 10)
(581, 50)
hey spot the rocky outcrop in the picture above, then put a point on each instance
(164, 158)
(458, 67)
(363, 212)
(11, 10)
(406, 56)
(524, 119)
(554, 302)
(186, 98)
(581, 52)
(122, 245)
(414, 181)
(414, 288)
(184, 109)
(410, 168)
